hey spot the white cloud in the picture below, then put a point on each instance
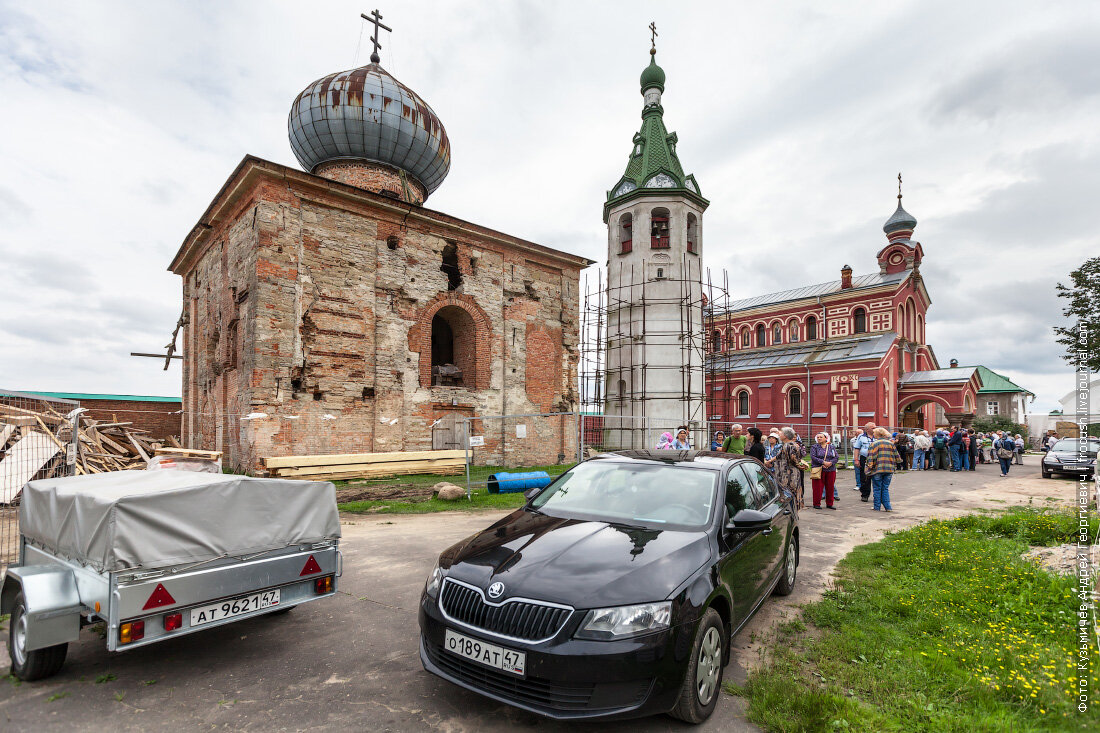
(122, 121)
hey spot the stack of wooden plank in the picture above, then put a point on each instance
(366, 465)
(35, 444)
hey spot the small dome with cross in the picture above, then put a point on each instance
(366, 115)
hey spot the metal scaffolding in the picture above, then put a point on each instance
(644, 345)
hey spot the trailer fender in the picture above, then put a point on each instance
(52, 603)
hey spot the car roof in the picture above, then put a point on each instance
(691, 458)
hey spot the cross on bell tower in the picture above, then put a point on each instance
(376, 18)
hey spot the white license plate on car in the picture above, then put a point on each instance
(234, 607)
(491, 655)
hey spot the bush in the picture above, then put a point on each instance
(991, 423)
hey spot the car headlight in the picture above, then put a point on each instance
(623, 622)
(434, 581)
(1053, 459)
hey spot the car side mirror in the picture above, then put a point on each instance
(531, 493)
(749, 520)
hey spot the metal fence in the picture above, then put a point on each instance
(541, 442)
(37, 440)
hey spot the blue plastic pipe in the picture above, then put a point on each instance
(507, 483)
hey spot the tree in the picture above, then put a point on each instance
(1083, 312)
(991, 423)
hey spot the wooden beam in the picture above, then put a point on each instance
(359, 458)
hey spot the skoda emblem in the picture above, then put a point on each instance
(496, 590)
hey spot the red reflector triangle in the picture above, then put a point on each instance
(160, 597)
(311, 567)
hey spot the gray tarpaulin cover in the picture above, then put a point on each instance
(152, 519)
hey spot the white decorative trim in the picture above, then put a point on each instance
(793, 383)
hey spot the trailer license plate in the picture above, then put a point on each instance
(491, 655)
(234, 607)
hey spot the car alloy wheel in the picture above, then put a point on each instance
(792, 562)
(708, 666)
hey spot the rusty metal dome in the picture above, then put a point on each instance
(366, 114)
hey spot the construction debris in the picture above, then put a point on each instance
(366, 465)
(37, 444)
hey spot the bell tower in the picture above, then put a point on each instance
(654, 347)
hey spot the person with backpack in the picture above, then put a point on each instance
(901, 443)
(861, 446)
(1005, 449)
(939, 451)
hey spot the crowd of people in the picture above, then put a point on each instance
(877, 455)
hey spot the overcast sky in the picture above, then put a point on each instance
(122, 120)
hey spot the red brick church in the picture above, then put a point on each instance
(839, 353)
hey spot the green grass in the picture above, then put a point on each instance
(481, 500)
(941, 627)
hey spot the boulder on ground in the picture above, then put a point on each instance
(446, 491)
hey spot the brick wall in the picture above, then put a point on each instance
(372, 177)
(333, 291)
(161, 419)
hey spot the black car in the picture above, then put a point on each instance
(614, 591)
(1069, 456)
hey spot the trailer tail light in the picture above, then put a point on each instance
(323, 585)
(173, 621)
(131, 631)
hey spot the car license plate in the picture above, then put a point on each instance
(234, 607)
(491, 655)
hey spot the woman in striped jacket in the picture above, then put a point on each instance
(882, 461)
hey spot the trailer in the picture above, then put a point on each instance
(156, 555)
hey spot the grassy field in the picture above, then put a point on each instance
(941, 627)
(480, 498)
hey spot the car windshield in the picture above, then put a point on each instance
(1070, 446)
(646, 495)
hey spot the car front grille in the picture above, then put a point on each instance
(530, 691)
(516, 619)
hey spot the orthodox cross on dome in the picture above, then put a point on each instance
(653, 37)
(376, 18)
(899, 188)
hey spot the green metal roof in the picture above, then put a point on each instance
(120, 397)
(994, 382)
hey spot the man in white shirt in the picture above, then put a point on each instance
(921, 445)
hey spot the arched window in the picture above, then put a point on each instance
(622, 389)
(716, 341)
(626, 236)
(860, 317)
(811, 329)
(454, 360)
(919, 335)
(794, 401)
(761, 335)
(746, 337)
(777, 333)
(658, 229)
(693, 244)
(792, 332)
(743, 402)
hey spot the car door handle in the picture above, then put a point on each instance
(766, 532)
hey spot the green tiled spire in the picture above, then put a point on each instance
(653, 164)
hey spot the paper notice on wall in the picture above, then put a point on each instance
(477, 441)
(521, 431)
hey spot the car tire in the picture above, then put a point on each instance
(1046, 473)
(703, 679)
(35, 664)
(785, 586)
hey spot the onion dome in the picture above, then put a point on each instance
(654, 75)
(365, 115)
(901, 219)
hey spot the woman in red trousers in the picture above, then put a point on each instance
(823, 459)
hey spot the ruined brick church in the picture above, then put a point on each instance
(342, 315)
